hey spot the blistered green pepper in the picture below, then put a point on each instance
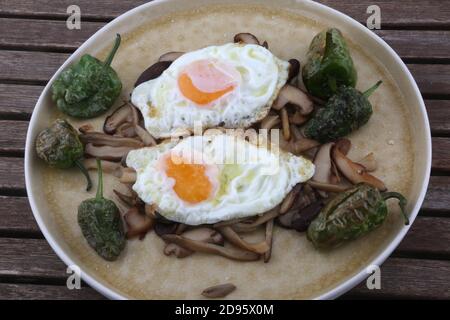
(60, 146)
(101, 224)
(350, 215)
(345, 112)
(89, 87)
(329, 65)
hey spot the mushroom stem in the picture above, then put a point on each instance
(269, 240)
(247, 227)
(288, 201)
(295, 96)
(234, 238)
(285, 124)
(210, 248)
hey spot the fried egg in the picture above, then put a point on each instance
(207, 179)
(233, 85)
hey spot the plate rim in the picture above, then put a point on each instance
(336, 291)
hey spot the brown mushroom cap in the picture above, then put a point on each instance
(288, 201)
(295, 96)
(152, 72)
(246, 38)
(170, 56)
(138, 224)
(118, 117)
(355, 172)
(102, 139)
(219, 291)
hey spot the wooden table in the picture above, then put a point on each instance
(34, 42)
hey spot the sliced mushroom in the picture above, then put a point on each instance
(246, 38)
(286, 219)
(343, 145)
(289, 200)
(295, 96)
(126, 175)
(126, 130)
(107, 166)
(294, 69)
(235, 239)
(369, 162)
(130, 200)
(150, 210)
(106, 152)
(355, 172)
(174, 249)
(162, 228)
(118, 117)
(303, 219)
(328, 187)
(285, 124)
(198, 246)
(296, 133)
(269, 240)
(298, 146)
(86, 128)
(322, 161)
(270, 121)
(145, 136)
(297, 118)
(204, 234)
(152, 72)
(102, 139)
(219, 291)
(248, 227)
(170, 56)
(138, 224)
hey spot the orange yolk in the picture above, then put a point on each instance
(191, 182)
(189, 90)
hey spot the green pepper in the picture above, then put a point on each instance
(89, 87)
(329, 65)
(101, 224)
(60, 146)
(350, 215)
(345, 112)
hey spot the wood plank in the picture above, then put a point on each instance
(431, 13)
(439, 116)
(10, 291)
(409, 279)
(400, 277)
(441, 155)
(53, 35)
(437, 199)
(12, 136)
(11, 174)
(29, 66)
(427, 236)
(18, 101)
(16, 216)
(433, 79)
(44, 34)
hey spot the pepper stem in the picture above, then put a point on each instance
(113, 51)
(99, 194)
(83, 170)
(371, 90)
(401, 203)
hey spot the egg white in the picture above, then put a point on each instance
(244, 188)
(165, 109)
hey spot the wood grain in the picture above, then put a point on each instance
(11, 175)
(49, 35)
(38, 67)
(409, 279)
(18, 101)
(23, 291)
(16, 217)
(431, 13)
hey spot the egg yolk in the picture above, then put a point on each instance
(204, 81)
(191, 181)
